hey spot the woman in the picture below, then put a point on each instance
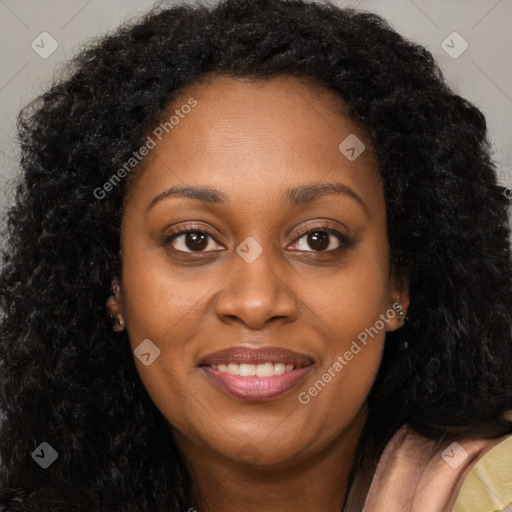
(258, 260)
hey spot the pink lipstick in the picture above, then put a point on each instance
(256, 374)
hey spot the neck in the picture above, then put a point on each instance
(318, 482)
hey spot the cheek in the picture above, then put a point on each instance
(348, 309)
(168, 307)
(158, 299)
(355, 294)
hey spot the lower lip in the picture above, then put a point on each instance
(257, 388)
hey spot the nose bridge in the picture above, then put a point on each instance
(256, 267)
(256, 290)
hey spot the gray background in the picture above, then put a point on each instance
(482, 73)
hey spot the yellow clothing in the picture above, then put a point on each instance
(415, 474)
(488, 486)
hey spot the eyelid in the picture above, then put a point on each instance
(342, 238)
(317, 226)
(189, 228)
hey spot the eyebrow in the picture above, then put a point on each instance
(295, 196)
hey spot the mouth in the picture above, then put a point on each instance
(256, 374)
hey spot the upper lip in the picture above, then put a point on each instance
(256, 355)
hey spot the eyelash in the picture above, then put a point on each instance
(344, 241)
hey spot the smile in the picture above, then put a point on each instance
(267, 369)
(256, 374)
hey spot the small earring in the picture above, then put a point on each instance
(398, 308)
(115, 286)
(117, 322)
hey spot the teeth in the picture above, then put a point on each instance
(267, 369)
(247, 370)
(263, 370)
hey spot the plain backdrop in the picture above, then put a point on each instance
(482, 73)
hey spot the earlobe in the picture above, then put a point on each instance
(115, 286)
(399, 316)
(114, 308)
(399, 303)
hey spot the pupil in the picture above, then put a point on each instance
(198, 241)
(322, 241)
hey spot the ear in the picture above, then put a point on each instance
(399, 301)
(114, 306)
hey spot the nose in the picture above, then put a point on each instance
(257, 292)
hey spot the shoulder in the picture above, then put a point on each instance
(418, 474)
(488, 486)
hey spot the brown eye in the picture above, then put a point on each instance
(321, 239)
(191, 240)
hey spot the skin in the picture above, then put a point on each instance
(253, 141)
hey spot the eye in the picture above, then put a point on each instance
(194, 239)
(191, 239)
(320, 238)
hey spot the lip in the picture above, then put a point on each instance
(257, 355)
(254, 387)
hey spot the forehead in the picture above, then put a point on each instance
(256, 137)
(244, 111)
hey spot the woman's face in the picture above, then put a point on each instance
(255, 286)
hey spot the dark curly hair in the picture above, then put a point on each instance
(67, 379)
